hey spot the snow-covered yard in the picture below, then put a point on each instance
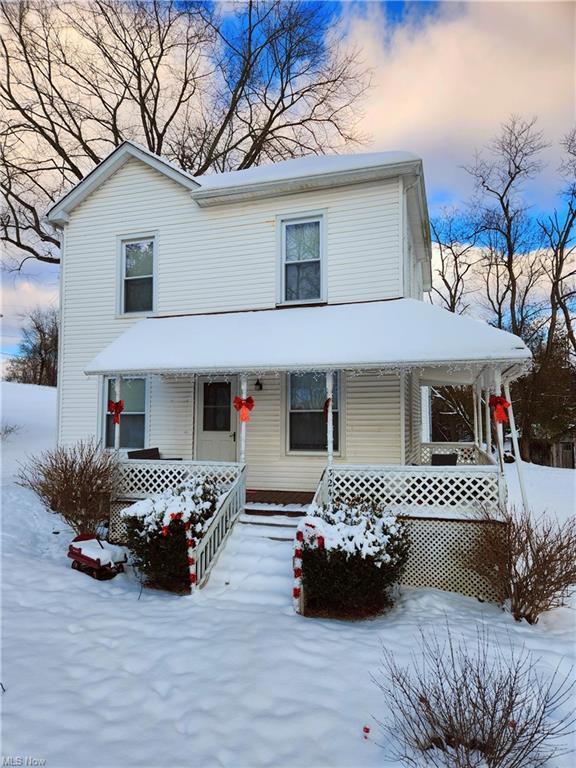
(97, 673)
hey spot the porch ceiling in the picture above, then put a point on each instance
(394, 335)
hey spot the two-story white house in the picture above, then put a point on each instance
(300, 284)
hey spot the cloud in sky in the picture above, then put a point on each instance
(21, 294)
(445, 76)
(445, 80)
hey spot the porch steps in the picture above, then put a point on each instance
(255, 565)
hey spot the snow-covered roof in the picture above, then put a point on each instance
(313, 171)
(400, 333)
(311, 165)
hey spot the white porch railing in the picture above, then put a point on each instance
(228, 510)
(468, 453)
(140, 478)
(403, 488)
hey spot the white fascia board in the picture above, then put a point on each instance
(58, 213)
(261, 190)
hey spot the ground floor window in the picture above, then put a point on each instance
(133, 418)
(307, 414)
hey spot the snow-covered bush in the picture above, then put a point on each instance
(472, 705)
(158, 528)
(75, 481)
(352, 555)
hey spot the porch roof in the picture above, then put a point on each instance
(389, 335)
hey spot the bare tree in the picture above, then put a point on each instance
(559, 231)
(456, 237)
(271, 82)
(511, 242)
(38, 359)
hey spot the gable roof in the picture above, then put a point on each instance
(58, 213)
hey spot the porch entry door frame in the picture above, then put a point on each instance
(217, 433)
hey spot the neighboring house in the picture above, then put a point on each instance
(275, 282)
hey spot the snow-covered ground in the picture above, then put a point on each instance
(97, 674)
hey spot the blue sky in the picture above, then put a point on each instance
(445, 76)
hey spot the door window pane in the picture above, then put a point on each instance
(216, 416)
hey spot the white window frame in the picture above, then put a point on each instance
(287, 410)
(122, 241)
(104, 406)
(300, 218)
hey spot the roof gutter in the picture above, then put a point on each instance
(206, 197)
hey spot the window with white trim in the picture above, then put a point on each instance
(133, 416)
(302, 248)
(137, 275)
(307, 422)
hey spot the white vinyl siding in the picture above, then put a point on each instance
(209, 260)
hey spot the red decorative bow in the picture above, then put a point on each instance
(499, 407)
(244, 405)
(116, 409)
(326, 406)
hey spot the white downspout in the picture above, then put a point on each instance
(514, 433)
(243, 395)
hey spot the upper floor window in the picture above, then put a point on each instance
(307, 423)
(302, 249)
(133, 417)
(137, 275)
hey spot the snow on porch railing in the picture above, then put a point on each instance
(142, 478)
(468, 453)
(459, 488)
(213, 540)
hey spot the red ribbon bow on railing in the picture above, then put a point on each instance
(244, 406)
(499, 407)
(116, 409)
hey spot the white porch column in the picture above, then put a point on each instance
(243, 395)
(330, 417)
(475, 409)
(479, 414)
(514, 433)
(488, 425)
(499, 427)
(117, 397)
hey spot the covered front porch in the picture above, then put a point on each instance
(370, 362)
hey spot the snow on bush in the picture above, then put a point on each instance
(349, 556)
(158, 528)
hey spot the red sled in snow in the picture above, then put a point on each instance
(98, 559)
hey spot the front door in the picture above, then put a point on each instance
(216, 420)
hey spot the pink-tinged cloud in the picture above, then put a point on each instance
(443, 84)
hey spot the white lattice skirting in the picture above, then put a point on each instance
(440, 555)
